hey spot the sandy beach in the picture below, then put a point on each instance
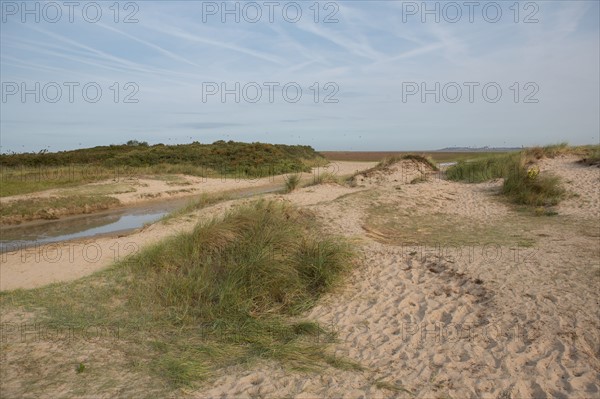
(506, 308)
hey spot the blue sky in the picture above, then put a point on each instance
(366, 59)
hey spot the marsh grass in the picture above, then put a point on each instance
(229, 292)
(53, 207)
(23, 180)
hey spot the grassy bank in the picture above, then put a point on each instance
(229, 292)
(53, 207)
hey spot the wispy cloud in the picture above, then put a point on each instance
(368, 54)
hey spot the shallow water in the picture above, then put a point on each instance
(13, 238)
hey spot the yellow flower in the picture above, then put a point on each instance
(533, 172)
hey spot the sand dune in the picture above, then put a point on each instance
(506, 308)
(434, 326)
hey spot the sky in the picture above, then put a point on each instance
(337, 75)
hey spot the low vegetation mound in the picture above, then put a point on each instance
(252, 159)
(220, 295)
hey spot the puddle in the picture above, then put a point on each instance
(13, 238)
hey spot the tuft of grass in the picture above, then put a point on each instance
(292, 182)
(537, 190)
(325, 178)
(228, 292)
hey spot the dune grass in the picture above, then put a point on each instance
(549, 151)
(522, 183)
(491, 167)
(592, 157)
(327, 177)
(535, 190)
(229, 292)
(292, 182)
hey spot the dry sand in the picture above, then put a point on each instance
(483, 318)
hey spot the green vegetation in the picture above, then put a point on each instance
(229, 292)
(28, 172)
(229, 157)
(53, 207)
(536, 190)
